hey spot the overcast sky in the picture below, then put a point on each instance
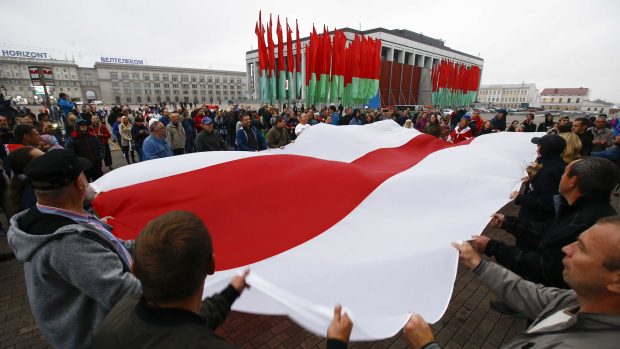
(570, 43)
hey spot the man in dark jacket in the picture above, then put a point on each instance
(190, 133)
(499, 121)
(278, 136)
(528, 124)
(139, 132)
(580, 128)
(585, 186)
(250, 138)
(537, 200)
(170, 312)
(208, 139)
(87, 146)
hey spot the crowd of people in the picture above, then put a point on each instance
(87, 288)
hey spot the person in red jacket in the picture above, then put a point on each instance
(460, 133)
(198, 120)
(102, 133)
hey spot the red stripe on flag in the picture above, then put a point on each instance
(259, 207)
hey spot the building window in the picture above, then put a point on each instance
(166, 92)
(125, 84)
(125, 76)
(156, 77)
(157, 92)
(164, 77)
(166, 85)
(113, 75)
(176, 92)
(202, 79)
(157, 84)
(217, 80)
(139, 99)
(238, 81)
(147, 91)
(193, 79)
(176, 99)
(225, 80)
(194, 85)
(128, 99)
(114, 83)
(185, 92)
(185, 85)
(568, 100)
(195, 92)
(146, 76)
(175, 78)
(203, 92)
(210, 79)
(175, 85)
(184, 78)
(577, 100)
(148, 99)
(147, 84)
(135, 76)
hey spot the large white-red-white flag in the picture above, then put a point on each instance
(358, 215)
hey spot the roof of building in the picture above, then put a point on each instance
(494, 86)
(580, 91)
(403, 33)
(166, 69)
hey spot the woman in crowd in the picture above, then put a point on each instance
(520, 128)
(408, 124)
(487, 128)
(103, 134)
(125, 131)
(48, 142)
(444, 127)
(513, 126)
(433, 128)
(573, 147)
(422, 122)
(20, 194)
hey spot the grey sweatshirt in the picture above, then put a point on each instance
(73, 278)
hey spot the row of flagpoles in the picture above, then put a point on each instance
(333, 70)
(454, 84)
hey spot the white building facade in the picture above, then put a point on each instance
(144, 84)
(15, 78)
(569, 99)
(508, 95)
(124, 82)
(597, 107)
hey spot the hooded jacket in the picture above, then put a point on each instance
(537, 200)
(73, 275)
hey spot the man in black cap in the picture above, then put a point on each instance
(75, 269)
(536, 201)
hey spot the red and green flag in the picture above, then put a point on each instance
(281, 68)
(298, 61)
(272, 63)
(263, 60)
(290, 61)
